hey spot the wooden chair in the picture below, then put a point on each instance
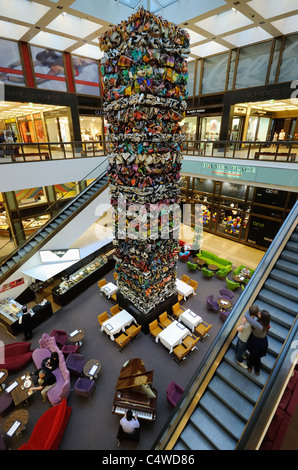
(133, 331)
(102, 318)
(114, 310)
(122, 340)
(185, 279)
(165, 320)
(194, 285)
(116, 276)
(101, 283)
(180, 298)
(177, 309)
(180, 353)
(202, 329)
(155, 328)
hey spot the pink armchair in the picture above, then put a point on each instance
(173, 393)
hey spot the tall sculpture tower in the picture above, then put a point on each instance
(144, 77)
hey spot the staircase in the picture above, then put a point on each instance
(226, 405)
(50, 229)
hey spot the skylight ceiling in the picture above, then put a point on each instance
(214, 26)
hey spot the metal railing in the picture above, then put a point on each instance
(28, 152)
(281, 151)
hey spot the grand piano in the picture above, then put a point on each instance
(134, 391)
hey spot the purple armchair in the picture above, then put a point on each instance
(60, 336)
(211, 304)
(226, 293)
(75, 363)
(173, 393)
(84, 387)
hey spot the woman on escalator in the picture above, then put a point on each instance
(257, 344)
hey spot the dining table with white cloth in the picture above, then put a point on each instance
(183, 288)
(190, 319)
(117, 323)
(109, 289)
(172, 335)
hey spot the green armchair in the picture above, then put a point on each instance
(191, 266)
(232, 285)
(223, 271)
(207, 273)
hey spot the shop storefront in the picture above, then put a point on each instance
(246, 214)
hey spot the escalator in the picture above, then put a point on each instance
(61, 218)
(225, 407)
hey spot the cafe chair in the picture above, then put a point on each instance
(224, 314)
(154, 328)
(227, 292)
(177, 309)
(180, 353)
(191, 266)
(202, 329)
(223, 272)
(75, 363)
(116, 276)
(84, 387)
(211, 304)
(190, 341)
(174, 392)
(102, 318)
(232, 285)
(133, 331)
(101, 283)
(6, 403)
(184, 256)
(165, 320)
(114, 310)
(185, 279)
(122, 341)
(60, 336)
(194, 285)
(124, 436)
(207, 273)
(69, 348)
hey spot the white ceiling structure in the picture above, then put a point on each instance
(214, 25)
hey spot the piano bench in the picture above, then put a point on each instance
(124, 436)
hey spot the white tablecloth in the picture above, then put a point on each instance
(172, 335)
(109, 289)
(118, 322)
(183, 288)
(190, 319)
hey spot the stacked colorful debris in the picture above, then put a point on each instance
(144, 77)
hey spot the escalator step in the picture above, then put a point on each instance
(279, 316)
(237, 402)
(212, 430)
(194, 439)
(284, 277)
(282, 289)
(290, 256)
(245, 383)
(287, 305)
(287, 266)
(229, 420)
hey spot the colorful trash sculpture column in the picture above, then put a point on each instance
(144, 77)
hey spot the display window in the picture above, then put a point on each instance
(30, 196)
(26, 129)
(210, 128)
(86, 75)
(11, 70)
(91, 128)
(39, 129)
(66, 190)
(31, 224)
(189, 127)
(48, 69)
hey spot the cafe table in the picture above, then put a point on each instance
(16, 422)
(183, 288)
(76, 336)
(117, 323)
(224, 304)
(190, 319)
(3, 377)
(172, 335)
(92, 368)
(109, 289)
(20, 388)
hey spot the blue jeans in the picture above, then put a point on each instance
(240, 350)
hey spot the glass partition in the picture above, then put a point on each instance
(191, 78)
(289, 63)
(252, 65)
(214, 73)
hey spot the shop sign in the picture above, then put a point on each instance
(12, 284)
(229, 170)
(56, 256)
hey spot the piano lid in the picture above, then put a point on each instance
(133, 374)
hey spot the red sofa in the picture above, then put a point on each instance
(16, 356)
(49, 429)
(282, 417)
